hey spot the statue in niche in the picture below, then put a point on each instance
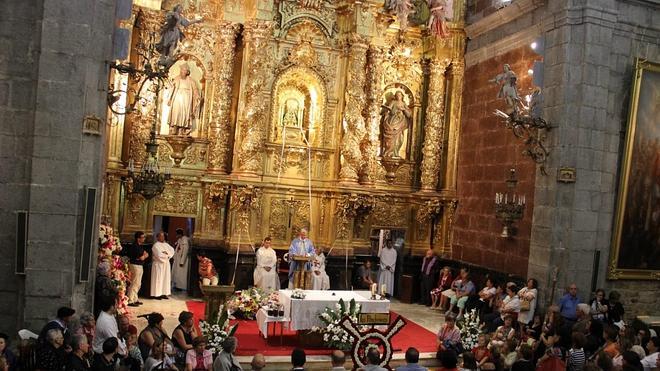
(171, 34)
(395, 118)
(290, 118)
(508, 89)
(184, 103)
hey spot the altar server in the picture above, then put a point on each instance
(302, 246)
(320, 279)
(161, 274)
(181, 261)
(265, 273)
(387, 266)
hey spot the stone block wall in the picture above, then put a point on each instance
(486, 153)
(53, 73)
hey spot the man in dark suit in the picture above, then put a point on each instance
(430, 269)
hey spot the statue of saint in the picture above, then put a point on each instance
(171, 34)
(184, 103)
(290, 118)
(395, 119)
(508, 90)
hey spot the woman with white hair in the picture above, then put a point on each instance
(51, 355)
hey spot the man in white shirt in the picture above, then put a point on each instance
(106, 327)
(161, 272)
(387, 267)
(650, 362)
(265, 273)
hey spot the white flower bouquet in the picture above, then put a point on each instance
(298, 294)
(334, 336)
(469, 327)
(217, 330)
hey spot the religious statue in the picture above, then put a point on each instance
(171, 34)
(508, 90)
(290, 118)
(441, 10)
(184, 103)
(395, 119)
(402, 9)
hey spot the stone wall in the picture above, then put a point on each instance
(487, 151)
(52, 75)
(589, 51)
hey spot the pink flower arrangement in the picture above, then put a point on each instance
(109, 249)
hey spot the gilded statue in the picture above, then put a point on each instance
(171, 34)
(395, 118)
(290, 118)
(184, 102)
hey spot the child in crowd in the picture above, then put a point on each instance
(504, 332)
(509, 351)
(134, 358)
(481, 352)
(576, 359)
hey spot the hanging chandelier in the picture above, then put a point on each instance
(509, 208)
(149, 181)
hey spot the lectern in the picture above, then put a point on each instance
(302, 278)
(214, 296)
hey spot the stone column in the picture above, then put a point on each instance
(374, 91)
(219, 125)
(457, 72)
(353, 122)
(434, 126)
(252, 125)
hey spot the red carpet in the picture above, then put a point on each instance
(250, 340)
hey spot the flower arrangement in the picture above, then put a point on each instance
(334, 336)
(217, 330)
(469, 327)
(298, 294)
(109, 249)
(245, 304)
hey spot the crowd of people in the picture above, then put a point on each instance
(514, 335)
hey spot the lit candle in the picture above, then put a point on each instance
(374, 287)
(383, 287)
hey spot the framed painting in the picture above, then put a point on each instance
(635, 250)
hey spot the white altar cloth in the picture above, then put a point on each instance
(304, 313)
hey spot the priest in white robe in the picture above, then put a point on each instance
(181, 261)
(320, 279)
(387, 267)
(161, 272)
(301, 246)
(265, 273)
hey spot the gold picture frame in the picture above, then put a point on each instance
(635, 249)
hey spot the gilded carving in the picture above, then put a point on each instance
(175, 200)
(253, 124)
(243, 201)
(375, 76)
(135, 209)
(387, 212)
(349, 207)
(353, 122)
(195, 154)
(219, 134)
(434, 126)
(215, 195)
(292, 13)
(279, 218)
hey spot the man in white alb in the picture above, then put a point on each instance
(387, 266)
(320, 279)
(181, 261)
(265, 273)
(161, 273)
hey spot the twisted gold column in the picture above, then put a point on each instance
(219, 125)
(375, 72)
(457, 73)
(434, 126)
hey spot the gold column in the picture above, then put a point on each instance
(457, 73)
(375, 73)
(252, 127)
(219, 124)
(434, 126)
(353, 122)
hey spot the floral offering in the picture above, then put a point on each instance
(217, 330)
(334, 336)
(469, 327)
(245, 304)
(109, 249)
(298, 294)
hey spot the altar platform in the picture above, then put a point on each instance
(423, 323)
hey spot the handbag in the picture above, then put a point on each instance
(525, 304)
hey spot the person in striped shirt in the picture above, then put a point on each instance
(576, 358)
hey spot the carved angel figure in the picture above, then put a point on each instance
(441, 11)
(508, 89)
(402, 9)
(171, 34)
(395, 118)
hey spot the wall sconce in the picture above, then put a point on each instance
(509, 208)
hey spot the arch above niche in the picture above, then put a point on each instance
(305, 29)
(299, 107)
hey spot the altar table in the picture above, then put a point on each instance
(304, 313)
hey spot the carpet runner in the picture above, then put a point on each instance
(250, 341)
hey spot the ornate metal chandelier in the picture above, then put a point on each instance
(509, 208)
(150, 180)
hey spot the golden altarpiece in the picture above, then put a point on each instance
(295, 99)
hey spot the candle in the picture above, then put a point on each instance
(374, 287)
(383, 287)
